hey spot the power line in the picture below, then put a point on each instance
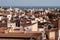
(6, 2)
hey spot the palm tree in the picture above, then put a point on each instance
(51, 15)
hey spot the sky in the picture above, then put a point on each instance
(29, 2)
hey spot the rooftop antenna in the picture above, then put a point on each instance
(11, 4)
(1, 3)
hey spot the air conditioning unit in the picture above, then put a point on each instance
(1, 17)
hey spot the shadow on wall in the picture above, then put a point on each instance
(16, 38)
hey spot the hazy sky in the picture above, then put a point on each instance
(30, 2)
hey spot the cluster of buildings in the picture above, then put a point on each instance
(29, 19)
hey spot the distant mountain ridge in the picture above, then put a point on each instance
(30, 7)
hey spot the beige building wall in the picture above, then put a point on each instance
(52, 35)
(35, 27)
(58, 34)
(11, 24)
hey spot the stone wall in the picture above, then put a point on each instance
(15, 39)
